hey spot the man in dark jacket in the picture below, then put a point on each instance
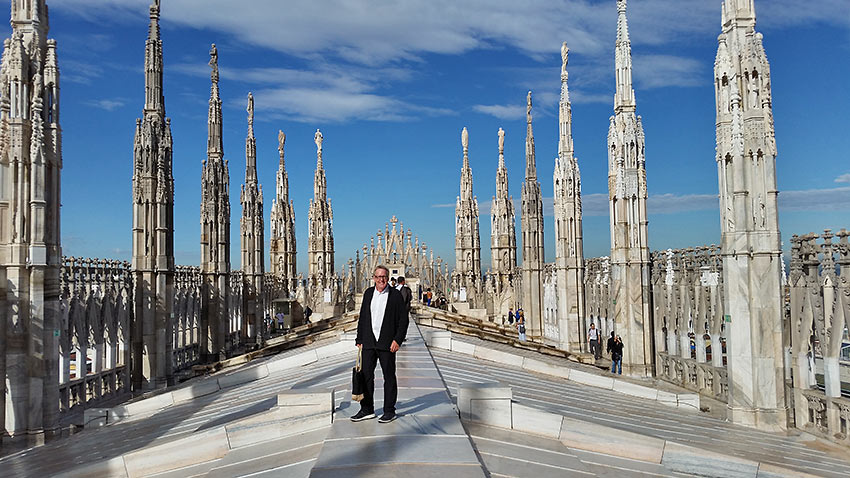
(381, 330)
(405, 292)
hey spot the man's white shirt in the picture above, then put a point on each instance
(377, 308)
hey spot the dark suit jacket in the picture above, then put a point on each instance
(394, 326)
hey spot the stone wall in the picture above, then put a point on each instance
(818, 307)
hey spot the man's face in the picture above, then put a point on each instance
(380, 276)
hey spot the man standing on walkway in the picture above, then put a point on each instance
(381, 330)
(593, 339)
(405, 292)
(617, 356)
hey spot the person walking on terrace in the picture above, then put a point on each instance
(381, 329)
(617, 356)
(593, 339)
(520, 327)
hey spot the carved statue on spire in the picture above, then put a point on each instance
(250, 110)
(565, 52)
(319, 138)
(501, 141)
(528, 108)
(214, 63)
(464, 138)
(281, 140)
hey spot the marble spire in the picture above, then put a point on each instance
(215, 231)
(569, 250)
(624, 99)
(532, 236)
(630, 287)
(282, 219)
(750, 238)
(320, 250)
(30, 239)
(502, 224)
(467, 240)
(153, 225)
(252, 239)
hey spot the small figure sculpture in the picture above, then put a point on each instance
(214, 63)
(565, 52)
(464, 138)
(501, 141)
(250, 110)
(528, 108)
(281, 140)
(319, 138)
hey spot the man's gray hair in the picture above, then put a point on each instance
(381, 266)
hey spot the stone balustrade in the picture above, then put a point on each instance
(818, 307)
(688, 316)
(96, 329)
(96, 304)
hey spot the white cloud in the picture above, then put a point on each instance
(379, 32)
(835, 199)
(504, 112)
(844, 178)
(108, 105)
(658, 71)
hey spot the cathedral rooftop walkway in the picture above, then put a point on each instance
(287, 415)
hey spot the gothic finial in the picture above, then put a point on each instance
(528, 108)
(281, 140)
(464, 139)
(621, 6)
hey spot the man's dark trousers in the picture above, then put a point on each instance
(371, 357)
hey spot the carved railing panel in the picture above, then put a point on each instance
(95, 333)
(689, 319)
(187, 310)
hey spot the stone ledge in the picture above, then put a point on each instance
(590, 436)
(299, 413)
(684, 400)
(99, 417)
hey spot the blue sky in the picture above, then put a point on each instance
(391, 85)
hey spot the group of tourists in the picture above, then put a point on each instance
(519, 317)
(429, 300)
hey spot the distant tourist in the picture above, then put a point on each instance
(511, 316)
(617, 356)
(593, 338)
(307, 313)
(381, 329)
(610, 343)
(393, 283)
(405, 292)
(428, 296)
(520, 328)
